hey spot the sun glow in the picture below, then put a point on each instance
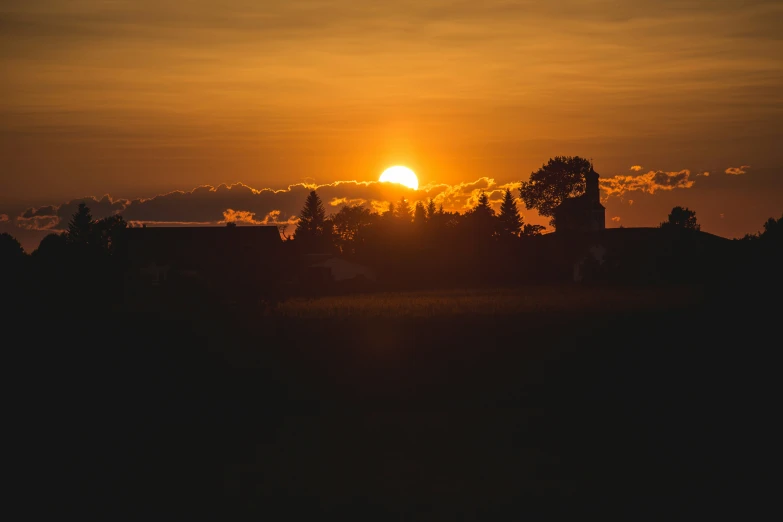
(401, 175)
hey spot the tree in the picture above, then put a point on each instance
(349, 224)
(510, 222)
(683, 218)
(419, 214)
(532, 230)
(773, 230)
(402, 211)
(562, 177)
(481, 218)
(80, 226)
(431, 209)
(108, 231)
(11, 251)
(312, 218)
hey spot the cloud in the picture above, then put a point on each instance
(57, 217)
(243, 204)
(705, 174)
(616, 219)
(636, 168)
(3, 218)
(722, 215)
(630, 202)
(650, 183)
(737, 171)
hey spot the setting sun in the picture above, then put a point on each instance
(401, 175)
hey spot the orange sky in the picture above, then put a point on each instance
(138, 98)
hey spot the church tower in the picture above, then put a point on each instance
(591, 189)
(583, 213)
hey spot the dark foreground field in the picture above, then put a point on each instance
(544, 402)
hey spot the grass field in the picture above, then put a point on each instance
(495, 301)
(486, 404)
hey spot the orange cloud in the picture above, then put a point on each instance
(630, 202)
(240, 216)
(3, 218)
(616, 219)
(636, 168)
(737, 171)
(705, 174)
(649, 183)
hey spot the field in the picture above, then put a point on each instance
(482, 404)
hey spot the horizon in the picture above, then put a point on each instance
(142, 99)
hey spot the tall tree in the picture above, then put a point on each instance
(681, 217)
(562, 177)
(431, 210)
(312, 218)
(419, 214)
(510, 221)
(80, 226)
(481, 218)
(402, 211)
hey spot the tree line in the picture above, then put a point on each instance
(350, 229)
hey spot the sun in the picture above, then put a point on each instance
(401, 175)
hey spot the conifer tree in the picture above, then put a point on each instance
(402, 211)
(431, 209)
(312, 218)
(419, 214)
(510, 222)
(80, 226)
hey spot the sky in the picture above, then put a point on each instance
(171, 111)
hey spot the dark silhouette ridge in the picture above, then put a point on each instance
(437, 369)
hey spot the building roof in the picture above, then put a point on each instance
(578, 203)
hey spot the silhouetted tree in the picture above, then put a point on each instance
(80, 226)
(108, 231)
(389, 214)
(562, 177)
(431, 210)
(402, 211)
(481, 218)
(773, 230)
(231, 224)
(419, 214)
(10, 248)
(349, 224)
(52, 246)
(312, 218)
(532, 230)
(510, 222)
(12, 255)
(681, 217)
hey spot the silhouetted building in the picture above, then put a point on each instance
(228, 257)
(583, 213)
(634, 255)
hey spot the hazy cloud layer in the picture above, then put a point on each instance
(246, 205)
(737, 171)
